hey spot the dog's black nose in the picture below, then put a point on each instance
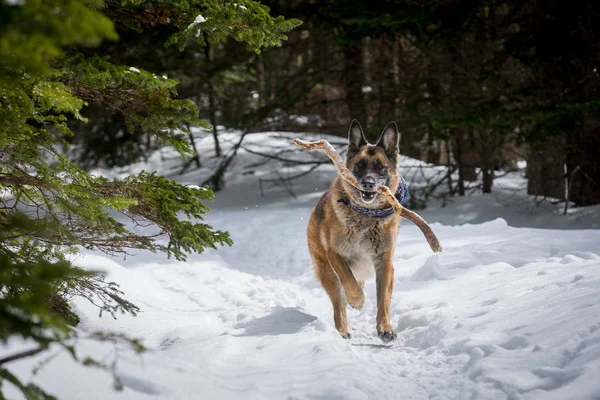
(368, 183)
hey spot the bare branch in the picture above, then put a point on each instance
(23, 354)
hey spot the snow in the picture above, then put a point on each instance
(509, 310)
(198, 20)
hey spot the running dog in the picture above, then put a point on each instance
(352, 233)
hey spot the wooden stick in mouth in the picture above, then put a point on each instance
(345, 173)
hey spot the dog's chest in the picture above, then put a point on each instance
(364, 234)
(361, 245)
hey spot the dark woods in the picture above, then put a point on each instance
(474, 85)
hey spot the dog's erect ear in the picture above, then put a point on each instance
(389, 141)
(356, 138)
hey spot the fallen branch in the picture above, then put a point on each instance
(346, 175)
(217, 179)
(23, 354)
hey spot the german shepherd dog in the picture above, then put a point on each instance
(349, 246)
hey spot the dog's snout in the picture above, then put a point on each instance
(368, 183)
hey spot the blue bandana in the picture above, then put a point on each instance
(401, 195)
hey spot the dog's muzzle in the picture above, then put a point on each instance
(368, 189)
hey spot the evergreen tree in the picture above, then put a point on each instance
(473, 85)
(50, 207)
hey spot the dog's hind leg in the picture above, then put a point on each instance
(332, 285)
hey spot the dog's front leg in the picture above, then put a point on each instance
(354, 294)
(385, 285)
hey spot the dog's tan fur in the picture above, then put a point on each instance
(348, 247)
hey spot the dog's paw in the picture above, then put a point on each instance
(345, 335)
(356, 300)
(386, 334)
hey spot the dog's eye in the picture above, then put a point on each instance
(362, 164)
(379, 167)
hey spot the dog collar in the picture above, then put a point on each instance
(401, 195)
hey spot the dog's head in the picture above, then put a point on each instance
(373, 165)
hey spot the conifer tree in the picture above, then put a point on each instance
(50, 208)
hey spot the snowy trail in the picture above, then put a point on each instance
(503, 313)
(471, 319)
(487, 319)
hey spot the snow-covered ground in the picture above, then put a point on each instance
(509, 310)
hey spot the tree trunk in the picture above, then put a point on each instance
(196, 157)
(261, 80)
(489, 151)
(545, 168)
(212, 108)
(488, 179)
(464, 156)
(583, 167)
(353, 82)
(393, 93)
